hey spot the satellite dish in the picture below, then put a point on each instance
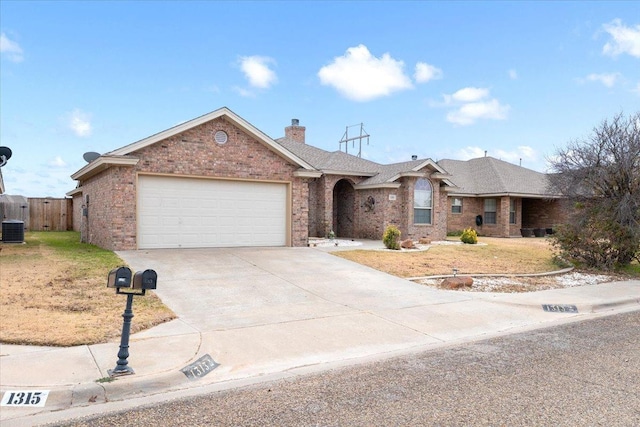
(90, 156)
(5, 154)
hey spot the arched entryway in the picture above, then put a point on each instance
(344, 199)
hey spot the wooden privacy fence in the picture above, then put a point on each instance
(46, 214)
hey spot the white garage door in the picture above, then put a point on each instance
(198, 213)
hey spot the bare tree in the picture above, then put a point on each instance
(601, 176)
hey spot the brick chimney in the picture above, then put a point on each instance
(295, 132)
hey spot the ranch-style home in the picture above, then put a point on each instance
(218, 181)
(501, 199)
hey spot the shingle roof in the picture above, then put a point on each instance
(488, 175)
(348, 164)
(330, 160)
(389, 173)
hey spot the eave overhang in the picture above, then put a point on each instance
(453, 193)
(392, 185)
(73, 192)
(303, 173)
(347, 173)
(102, 163)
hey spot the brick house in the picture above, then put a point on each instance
(217, 181)
(358, 198)
(500, 199)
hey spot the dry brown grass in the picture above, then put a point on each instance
(491, 255)
(53, 292)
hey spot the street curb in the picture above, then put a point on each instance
(444, 276)
(615, 304)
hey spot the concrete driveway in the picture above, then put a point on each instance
(223, 288)
(258, 311)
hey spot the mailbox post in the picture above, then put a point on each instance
(120, 279)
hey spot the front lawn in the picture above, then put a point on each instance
(53, 292)
(491, 255)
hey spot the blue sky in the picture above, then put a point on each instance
(434, 79)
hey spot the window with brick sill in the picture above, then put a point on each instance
(490, 211)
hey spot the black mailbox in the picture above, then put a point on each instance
(145, 279)
(119, 277)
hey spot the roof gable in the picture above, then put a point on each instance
(224, 111)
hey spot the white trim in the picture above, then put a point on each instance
(301, 173)
(75, 191)
(101, 163)
(433, 164)
(348, 173)
(373, 186)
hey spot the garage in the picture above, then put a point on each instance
(180, 212)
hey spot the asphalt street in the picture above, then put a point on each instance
(583, 373)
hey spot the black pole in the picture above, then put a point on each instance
(121, 365)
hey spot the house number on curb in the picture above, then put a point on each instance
(556, 308)
(24, 398)
(200, 367)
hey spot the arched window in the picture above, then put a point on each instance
(422, 202)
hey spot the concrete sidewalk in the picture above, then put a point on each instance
(264, 313)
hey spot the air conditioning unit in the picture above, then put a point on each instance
(13, 231)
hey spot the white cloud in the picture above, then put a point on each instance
(79, 123)
(607, 79)
(425, 72)
(513, 74)
(360, 76)
(57, 162)
(637, 89)
(256, 70)
(467, 94)
(624, 39)
(469, 113)
(11, 49)
(522, 152)
(467, 153)
(472, 105)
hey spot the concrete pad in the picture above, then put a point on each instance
(466, 319)
(9, 349)
(149, 356)
(271, 348)
(51, 367)
(168, 329)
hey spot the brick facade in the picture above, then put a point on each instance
(392, 206)
(529, 213)
(111, 221)
(544, 213)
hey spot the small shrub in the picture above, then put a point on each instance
(469, 236)
(391, 237)
(456, 233)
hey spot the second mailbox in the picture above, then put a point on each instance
(145, 279)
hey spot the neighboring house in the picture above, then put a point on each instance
(217, 181)
(499, 199)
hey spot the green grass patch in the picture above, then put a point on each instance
(54, 279)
